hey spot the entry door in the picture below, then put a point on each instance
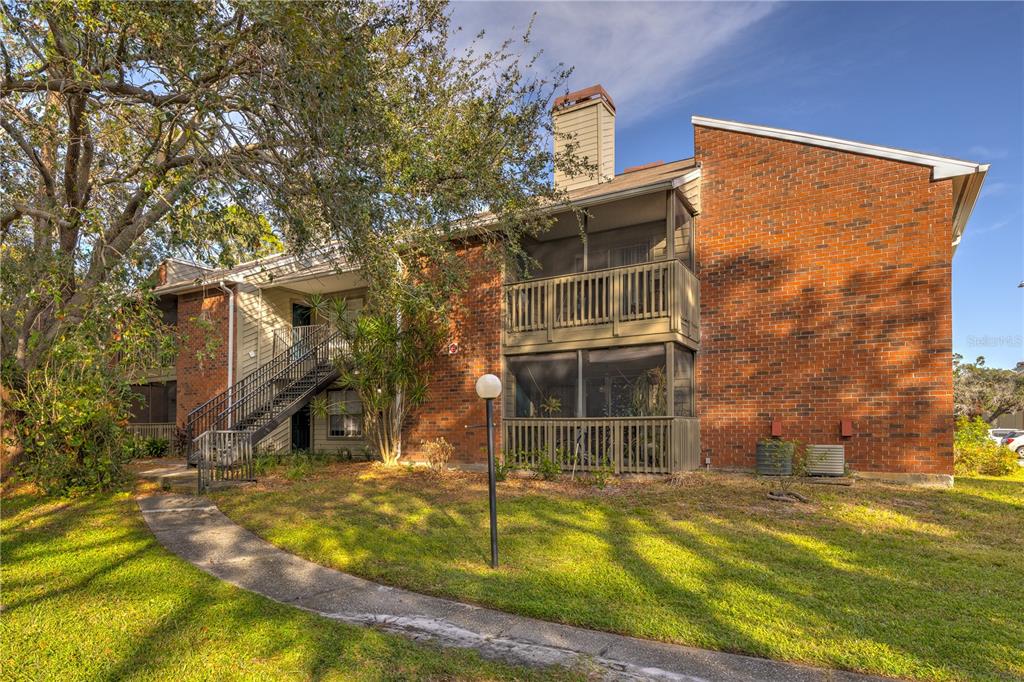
(302, 315)
(301, 436)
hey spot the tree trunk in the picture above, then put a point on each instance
(11, 447)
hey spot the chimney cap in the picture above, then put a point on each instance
(593, 92)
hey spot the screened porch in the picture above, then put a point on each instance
(628, 409)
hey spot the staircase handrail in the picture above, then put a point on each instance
(244, 382)
(219, 412)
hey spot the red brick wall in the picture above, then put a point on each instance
(452, 402)
(825, 295)
(202, 349)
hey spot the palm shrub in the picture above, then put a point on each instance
(389, 348)
(975, 453)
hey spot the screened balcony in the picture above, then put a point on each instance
(627, 409)
(629, 274)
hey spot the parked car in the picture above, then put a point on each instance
(1016, 443)
(999, 435)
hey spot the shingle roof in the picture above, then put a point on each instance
(636, 179)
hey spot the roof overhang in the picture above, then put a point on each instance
(942, 167)
(196, 285)
(628, 193)
(967, 176)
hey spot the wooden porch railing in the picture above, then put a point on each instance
(663, 290)
(628, 445)
(163, 430)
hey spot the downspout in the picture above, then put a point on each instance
(231, 347)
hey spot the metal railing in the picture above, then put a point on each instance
(627, 445)
(252, 397)
(293, 338)
(224, 456)
(661, 290)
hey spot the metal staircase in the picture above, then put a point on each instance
(223, 431)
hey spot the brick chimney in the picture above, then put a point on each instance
(588, 116)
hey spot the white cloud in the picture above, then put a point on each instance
(988, 153)
(992, 189)
(991, 227)
(645, 54)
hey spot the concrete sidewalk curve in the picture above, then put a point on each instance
(194, 529)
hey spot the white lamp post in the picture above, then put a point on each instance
(488, 387)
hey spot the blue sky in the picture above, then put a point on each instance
(944, 78)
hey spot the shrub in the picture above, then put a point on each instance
(502, 469)
(547, 468)
(975, 453)
(72, 434)
(148, 447)
(601, 475)
(438, 453)
(300, 464)
(155, 447)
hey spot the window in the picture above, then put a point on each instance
(616, 382)
(344, 414)
(155, 403)
(168, 307)
(683, 375)
(545, 385)
(624, 382)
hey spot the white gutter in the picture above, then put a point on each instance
(231, 344)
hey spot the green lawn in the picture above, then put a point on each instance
(892, 580)
(89, 594)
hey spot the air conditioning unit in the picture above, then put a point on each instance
(826, 460)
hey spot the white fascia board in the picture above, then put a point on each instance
(682, 180)
(942, 167)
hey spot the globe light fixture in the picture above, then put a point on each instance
(488, 387)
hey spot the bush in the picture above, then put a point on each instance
(438, 453)
(546, 468)
(502, 469)
(147, 448)
(73, 438)
(975, 453)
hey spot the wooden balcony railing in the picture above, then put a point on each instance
(663, 296)
(153, 430)
(628, 445)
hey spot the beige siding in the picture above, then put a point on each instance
(261, 312)
(592, 127)
(279, 439)
(607, 168)
(249, 311)
(691, 191)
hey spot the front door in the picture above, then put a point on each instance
(302, 315)
(301, 439)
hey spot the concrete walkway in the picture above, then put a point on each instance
(194, 529)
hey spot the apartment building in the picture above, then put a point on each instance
(777, 283)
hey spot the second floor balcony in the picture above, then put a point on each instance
(654, 301)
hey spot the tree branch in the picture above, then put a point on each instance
(33, 155)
